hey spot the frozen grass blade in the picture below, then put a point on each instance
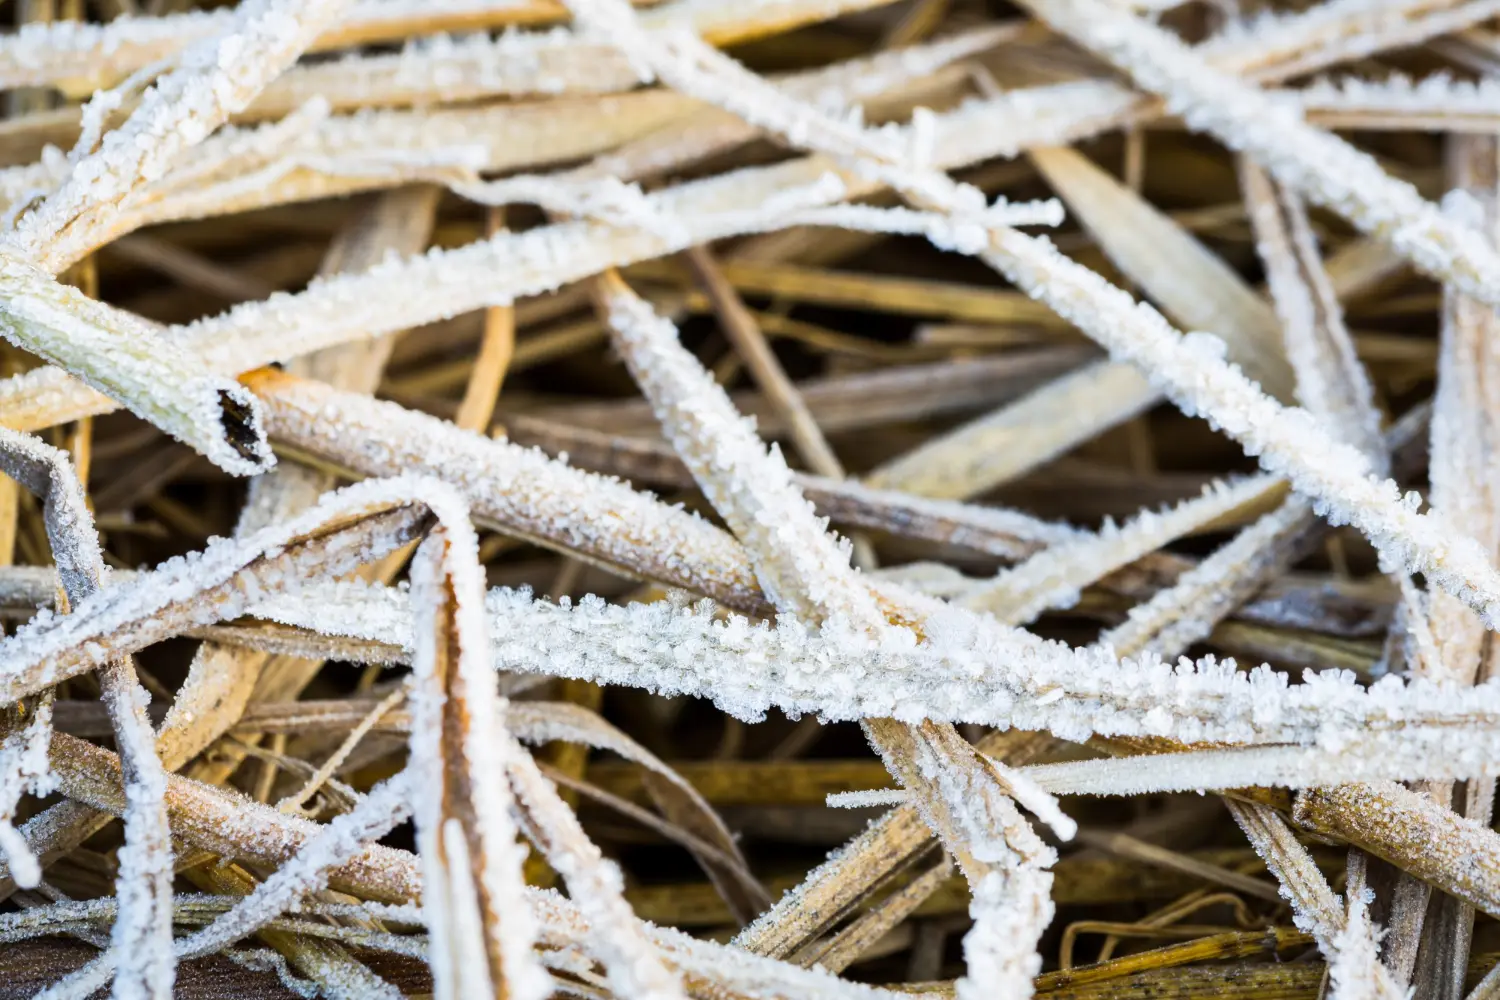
(1191, 370)
(1192, 286)
(471, 864)
(1318, 165)
(1331, 383)
(1401, 103)
(110, 352)
(234, 826)
(588, 516)
(222, 581)
(213, 79)
(70, 53)
(540, 722)
(1346, 938)
(1462, 443)
(141, 940)
(126, 360)
(1056, 576)
(804, 573)
(822, 674)
(305, 873)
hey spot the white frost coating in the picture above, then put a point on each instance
(372, 817)
(1315, 908)
(1217, 770)
(1054, 577)
(114, 353)
(1347, 940)
(375, 814)
(605, 199)
(126, 359)
(611, 201)
(1010, 913)
(447, 69)
(801, 567)
(1177, 616)
(1354, 968)
(307, 154)
(520, 489)
(478, 931)
(1438, 97)
(805, 574)
(542, 722)
(1316, 163)
(1332, 384)
(867, 799)
(266, 960)
(795, 560)
(1287, 441)
(620, 941)
(456, 709)
(1462, 469)
(1191, 370)
(142, 935)
(200, 588)
(511, 265)
(944, 232)
(1012, 889)
(735, 969)
(1303, 41)
(895, 156)
(23, 769)
(563, 926)
(214, 78)
(66, 51)
(967, 670)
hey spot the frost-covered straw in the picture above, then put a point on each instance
(1346, 938)
(142, 935)
(231, 825)
(1317, 164)
(73, 54)
(505, 267)
(518, 489)
(212, 80)
(1056, 576)
(305, 873)
(806, 573)
(224, 579)
(108, 350)
(969, 669)
(126, 360)
(466, 835)
(1190, 370)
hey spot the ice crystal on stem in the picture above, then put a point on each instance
(802, 571)
(213, 79)
(111, 351)
(143, 931)
(1191, 370)
(467, 838)
(1346, 938)
(1055, 576)
(1317, 164)
(23, 769)
(969, 671)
